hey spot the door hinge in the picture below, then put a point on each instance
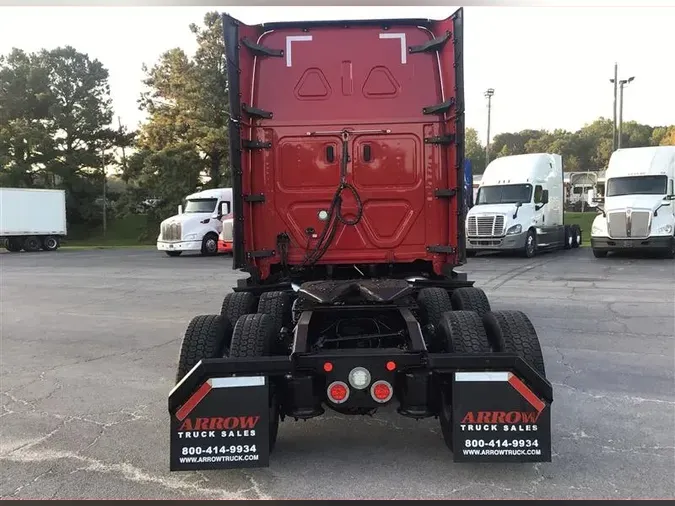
(263, 253)
(260, 50)
(445, 193)
(255, 197)
(433, 45)
(255, 144)
(441, 249)
(257, 113)
(440, 139)
(440, 108)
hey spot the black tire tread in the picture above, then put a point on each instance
(205, 337)
(253, 336)
(463, 332)
(433, 302)
(278, 306)
(599, 253)
(513, 332)
(470, 298)
(237, 304)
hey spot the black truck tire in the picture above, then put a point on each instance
(470, 298)
(462, 332)
(210, 244)
(278, 306)
(530, 248)
(569, 237)
(576, 236)
(598, 253)
(32, 244)
(50, 243)
(432, 303)
(513, 332)
(173, 253)
(13, 245)
(237, 304)
(207, 336)
(254, 336)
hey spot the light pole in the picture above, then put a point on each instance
(488, 93)
(622, 83)
(615, 82)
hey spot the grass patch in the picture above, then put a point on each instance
(122, 232)
(585, 221)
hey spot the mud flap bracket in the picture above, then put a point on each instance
(445, 193)
(263, 253)
(256, 113)
(433, 45)
(445, 250)
(255, 144)
(255, 198)
(440, 139)
(260, 50)
(440, 108)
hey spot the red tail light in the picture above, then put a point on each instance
(381, 391)
(338, 392)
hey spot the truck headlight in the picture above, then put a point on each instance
(665, 229)
(515, 229)
(190, 237)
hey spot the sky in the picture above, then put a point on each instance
(549, 66)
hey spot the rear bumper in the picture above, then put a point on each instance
(651, 243)
(508, 242)
(224, 246)
(179, 245)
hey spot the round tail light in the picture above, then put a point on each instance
(381, 391)
(338, 392)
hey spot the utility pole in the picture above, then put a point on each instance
(105, 183)
(622, 83)
(488, 93)
(615, 82)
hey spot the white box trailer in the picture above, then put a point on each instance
(32, 219)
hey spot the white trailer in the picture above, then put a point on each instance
(32, 219)
(637, 211)
(197, 226)
(520, 207)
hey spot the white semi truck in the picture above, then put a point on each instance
(32, 219)
(197, 225)
(519, 207)
(637, 211)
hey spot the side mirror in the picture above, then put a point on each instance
(223, 209)
(544, 197)
(180, 209)
(669, 197)
(598, 200)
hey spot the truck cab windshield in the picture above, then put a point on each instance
(637, 185)
(200, 205)
(505, 194)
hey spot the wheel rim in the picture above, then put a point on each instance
(32, 244)
(211, 245)
(578, 239)
(569, 240)
(50, 243)
(530, 244)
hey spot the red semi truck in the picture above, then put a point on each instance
(347, 154)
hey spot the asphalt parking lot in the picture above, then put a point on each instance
(89, 343)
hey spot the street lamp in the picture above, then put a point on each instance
(488, 94)
(614, 81)
(622, 83)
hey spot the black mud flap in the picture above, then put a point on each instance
(497, 418)
(224, 424)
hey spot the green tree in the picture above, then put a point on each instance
(474, 150)
(187, 102)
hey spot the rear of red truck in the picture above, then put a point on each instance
(347, 161)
